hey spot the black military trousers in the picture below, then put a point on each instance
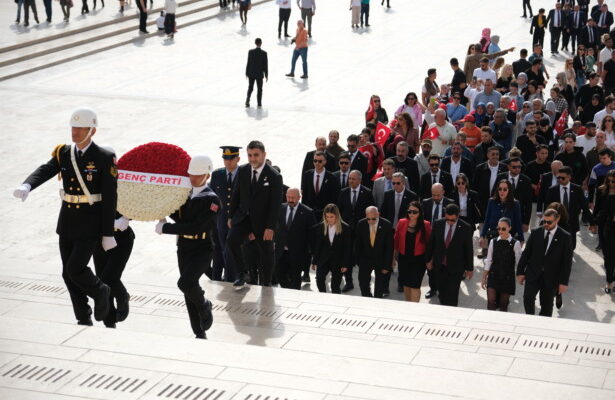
(192, 262)
(288, 274)
(80, 281)
(109, 266)
(238, 235)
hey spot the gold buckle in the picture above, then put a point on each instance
(195, 237)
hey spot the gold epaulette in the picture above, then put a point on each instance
(56, 154)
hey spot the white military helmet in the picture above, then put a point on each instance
(200, 165)
(83, 118)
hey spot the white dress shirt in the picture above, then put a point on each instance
(463, 204)
(455, 168)
(494, 175)
(516, 249)
(258, 172)
(550, 237)
(331, 231)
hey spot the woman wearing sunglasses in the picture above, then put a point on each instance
(467, 200)
(502, 204)
(605, 210)
(500, 265)
(411, 238)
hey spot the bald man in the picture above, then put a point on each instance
(321, 145)
(546, 181)
(292, 240)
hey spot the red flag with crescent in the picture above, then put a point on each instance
(382, 133)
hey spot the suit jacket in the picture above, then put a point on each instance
(410, 168)
(459, 254)
(261, 203)
(473, 207)
(296, 237)
(308, 162)
(329, 192)
(551, 19)
(523, 193)
(545, 183)
(577, 203)
(219, 184)
(359, 163)
(521, 65)
(427, 205)
(380, 188)
(445, 179)
(555, 264)
(388, 205)
(351, 215)
(381, 255)
(336, 254)
(582, 21)
(257, 66)
(608, 20)
(584, 36)
(480, 184)
(466, 167)
(534, 24)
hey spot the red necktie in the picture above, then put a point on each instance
(317, 188)
(447, 242)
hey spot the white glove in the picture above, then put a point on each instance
(121, 223)
(159, 225)
(108, 242)
(22, 191)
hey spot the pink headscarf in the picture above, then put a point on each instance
(485, 39)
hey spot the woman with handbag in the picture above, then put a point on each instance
(500, 267)
(501, 204)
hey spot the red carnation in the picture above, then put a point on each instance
(156, 158)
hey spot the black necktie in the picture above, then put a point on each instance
(436, 213)
(229, 180)
(254, 180)
(343, 180)
(290, 217)
(79, 153)
(513, 184)
(565, 199)
(433, 179)
(547, 241)
(591, 34)
(354, 198)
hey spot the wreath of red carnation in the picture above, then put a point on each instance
(156, 158)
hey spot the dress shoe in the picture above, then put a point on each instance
(259, 105)
(431, 294)
(36, 19)
(123, 308)
(26, 24)
(304, 76)
(309, 34)
(558, 301)
(85, 322)
(239, 284)
(386, 292)
(306, 277)
(347, 288)
(143, 31)
(49, 20)
(101, 303)
(111, 326)
(286, 35)
(290, 75)
(201, 336)
(247, 104)
(17, 21)
(367, 25)
(207, 318)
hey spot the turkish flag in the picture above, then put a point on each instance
(513, 105)
(382, 133)
(431, 134)
(368, 152)
(562, 123)
(369, 114)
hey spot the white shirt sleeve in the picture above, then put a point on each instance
(489, 259)
(517, 250)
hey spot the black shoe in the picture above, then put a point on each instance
(558, 301)
(304, 76)
(110, 326)
(16, 21)
(49, 20)
(36, 19)
(400, 289)
(386, 292)
(247, 104)
(290, 75)
(207, 318)
(598, 248)
(201, 336)
(309, 34)
(431, 294)
(101, 303)
(26, 24)
(367, 25)
(143, 31)
(524, 16)
(85, 322)
(239, 283)
(123, 308)
(607, 290)
(286, 35)
(306, 277)
(259, 105)
(347, 288)
(122, 9)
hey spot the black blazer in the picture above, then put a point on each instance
(459, 253)
(473, 207)
(260, 204)
(577, 203)
(466, 167)
(445, 179)
(556, 263)
(338, 175)
(338, 254)
(329, 192)
(352, 215)
(582, 20)
(480, 183)
(388, 205)
(584, 36)
(521, 65)
(523, 192)
(534, 24)
(308, 162)
(428, 204)
(297, 237)
(410, 168)
(359, 163)
(381, 255)
(257, 66)
(546, 181)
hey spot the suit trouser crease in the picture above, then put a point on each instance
(284, 16)
(546, 296)
(238, 235)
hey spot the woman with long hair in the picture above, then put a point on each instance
(331, 246)
(503, 255)
(414, 108)
(405, 128)
(506, 77)
(605, 209)
(411, 238)
(579, 64)
(501, 204)
(532, 92)
(379, 113)
(467, 200)
(430, 88)
(608, 127)
(567, 91)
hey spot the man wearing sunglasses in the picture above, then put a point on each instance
(572, 156)
(522, 189)
(436, 175)
(344, 170)
(545, 264)
(318, 186)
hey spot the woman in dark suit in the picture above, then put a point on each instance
(502, 204)
(605, 209)
(331, 246)
(411, 238)
(467, 200)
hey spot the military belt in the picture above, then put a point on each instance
(194, 237)
(80, 198)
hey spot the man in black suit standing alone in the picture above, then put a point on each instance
(450, 236)
(545, 264)
(254, 211)
(256, 69)
(292, 240)
(373, 248)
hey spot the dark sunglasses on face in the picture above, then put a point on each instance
(461, 183)
(515, 166)
(344, 162)
(545, 222)
(561, 178)
(319, 161)
(434, 165)
(413, 212)
(396, 183)
(501, 229)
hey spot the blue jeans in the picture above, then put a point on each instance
(303, 53)
(19, 6)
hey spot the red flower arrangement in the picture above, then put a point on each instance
(156, 158)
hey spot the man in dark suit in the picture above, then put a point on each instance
(522, 189)
(485, 177)
(486, 143)
(451, 254)
(433, 210)
(603, 18)
(396, 201)
(222, 182)
(571, 196)
(576, 22)
(522, 64)
(373, 248)
(292, 240)
(358, 161)
(407, 166)
(344, 169)
(318, 186)
(588, 35)
(537, 28)
(546, 181)
(256, 69)
(352, 203)
(436, 175)
(457, 163)
(556, 23)
(545, 264)
(255, 207)
(321, 145)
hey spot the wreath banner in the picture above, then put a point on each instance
(153, 179)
